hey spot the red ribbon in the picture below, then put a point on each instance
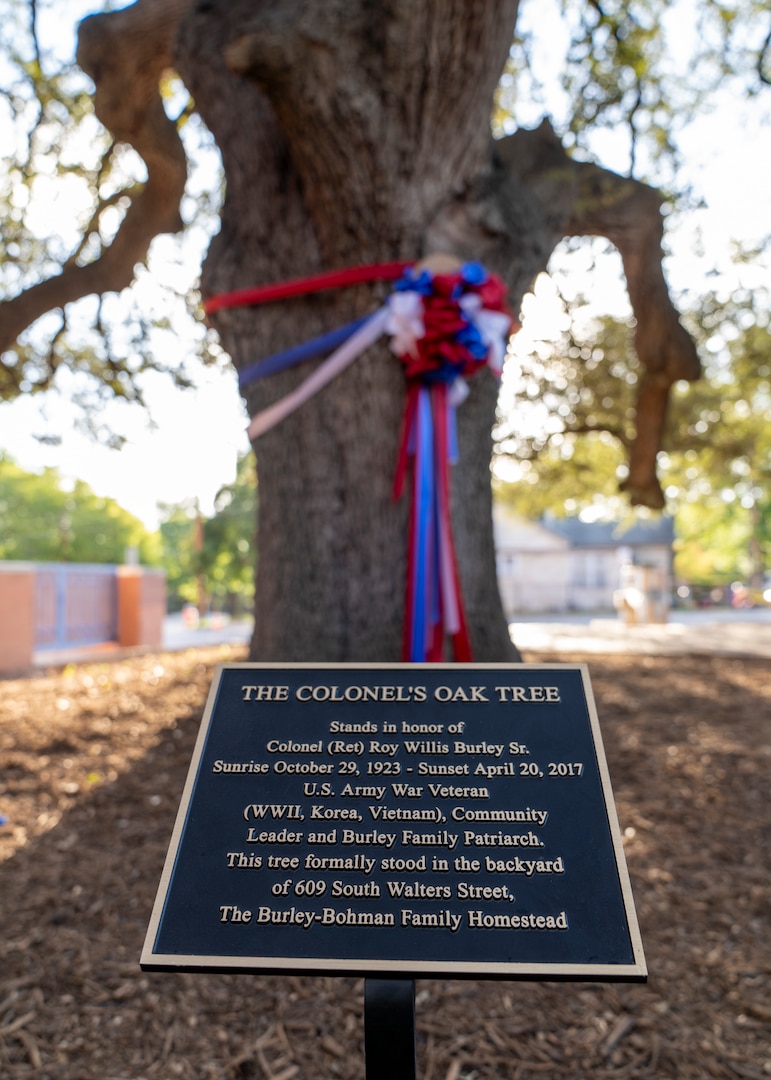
(429, 592)
(460, 639)
(283, 290)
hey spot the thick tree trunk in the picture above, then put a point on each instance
(353, 133)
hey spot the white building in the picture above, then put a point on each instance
(565, 564)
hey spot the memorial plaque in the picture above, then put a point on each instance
(398, 819)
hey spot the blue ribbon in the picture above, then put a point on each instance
(473, 273)
(424, 481)
(280, 361)
(410, 281)
(452, 433)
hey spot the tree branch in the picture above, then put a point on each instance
(582, 199)
(125, 53)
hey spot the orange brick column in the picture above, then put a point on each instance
(141, 606)
(17, 616)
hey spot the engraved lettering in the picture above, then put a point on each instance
(431, 920)
(467, 891)
(462, 813)
(386, 840)
(241, 861)
(284, 836)
(232, 913)
(480, 920)
(406, 805)
(334, 813)
(332, 917)
(418, 890)
(459, 693)
(508, 768)
(528, 693)
(362, 791)
(355, 694)
(367, 888)
(362, 864)
(221, 766)
(528, 867)
(292, 916)
(425, 768)
(501, 839)
(275, 810)
(428, 747)
(275, 746)
(403, 813)
(479, 749)
(441, 792)
(388, 749)
(265, 693)
(443, 838)
(337, 727)
(407, 791)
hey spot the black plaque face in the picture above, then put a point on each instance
(403, 819)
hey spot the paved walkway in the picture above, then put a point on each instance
(709, 632)
(715, 630)
(712, 632)
(177, 635)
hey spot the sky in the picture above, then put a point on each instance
(190, 453)
(192, 449)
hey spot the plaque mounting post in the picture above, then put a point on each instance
(389, 1028)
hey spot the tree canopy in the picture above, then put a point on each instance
(210, 560)
(716, 471)
(45, 520)
(125, 181)
(89, 309)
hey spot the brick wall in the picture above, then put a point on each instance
(17, 616)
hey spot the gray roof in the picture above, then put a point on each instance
(611, 534)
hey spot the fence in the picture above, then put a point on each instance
(65, 606)
(75, 604)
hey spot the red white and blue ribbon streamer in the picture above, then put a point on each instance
(443, 326)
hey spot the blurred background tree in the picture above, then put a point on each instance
(564, 441)
(210, 561)
(44, 519)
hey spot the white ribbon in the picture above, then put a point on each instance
(340, 359)
(493, 327)
(402, 319)
(405, 322)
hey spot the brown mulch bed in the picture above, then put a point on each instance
(92, 762)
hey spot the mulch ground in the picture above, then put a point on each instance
(92, 763)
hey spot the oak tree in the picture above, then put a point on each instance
(352, 133)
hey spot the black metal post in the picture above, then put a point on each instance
(389, 1029)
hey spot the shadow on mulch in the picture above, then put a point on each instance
(93, 759)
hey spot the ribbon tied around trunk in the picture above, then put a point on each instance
(446, 320)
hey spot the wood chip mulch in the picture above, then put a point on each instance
(92, 763)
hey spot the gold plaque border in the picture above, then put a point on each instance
(635, 972)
